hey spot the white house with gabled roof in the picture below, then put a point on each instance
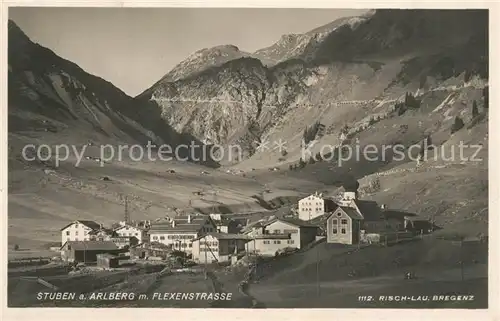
(78, 230)
(129, 230)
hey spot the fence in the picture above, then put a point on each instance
(28, 262)
(387, 238)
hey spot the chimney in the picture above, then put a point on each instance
(383, 206)
(189, 219)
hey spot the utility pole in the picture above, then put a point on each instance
(317, 271)
(84, 253)
(126, 214)
(205, 250)
(461, 258)
(359, 235)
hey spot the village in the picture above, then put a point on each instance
(234, 254)
(226, 238)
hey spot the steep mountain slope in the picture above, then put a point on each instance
(203, 59)
(53, 100)
(358, 68)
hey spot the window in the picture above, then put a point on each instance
(76, 232)
(190, 245)
(266, 242)
(277, 242)
(290, 241)
(162, 237)
(334, 231)
(136, 234)
(155, 237)
(343, 231)
(184, 245)
(344, 221)
(334, 221)
(67, 232)
(276, 231)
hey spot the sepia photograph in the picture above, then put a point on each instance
(252, 158)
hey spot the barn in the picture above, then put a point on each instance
(87, 251)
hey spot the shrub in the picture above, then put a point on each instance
(411, 101)
(486, 96)
(310, 132)
(475, 111)
(467, 75)
(16, 247)
(400, 108)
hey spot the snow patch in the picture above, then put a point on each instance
(445, 102)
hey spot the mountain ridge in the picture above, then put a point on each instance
(388, 49)
(52, 97)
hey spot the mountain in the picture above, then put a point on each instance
(302, 45)
(363, 63)
(53, 100)
(202, 59)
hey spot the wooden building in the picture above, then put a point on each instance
(87, 251)
(106, 260)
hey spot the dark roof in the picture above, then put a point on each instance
(397, 214)
(91, 224)
(254, 224)
(225, 236)
(370, 210)
(319, 220)
(181, 224)
(130, 225)
(330, 204)
(351, 212)
(105, 230)
(91, 245)
(271, 236)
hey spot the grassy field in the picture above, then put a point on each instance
(320, 277)
(419, 294)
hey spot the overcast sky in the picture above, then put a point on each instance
(134, 47)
